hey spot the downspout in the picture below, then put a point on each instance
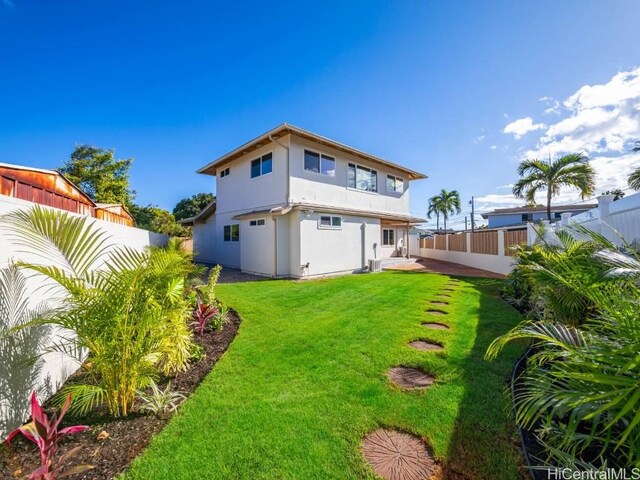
(286, 199)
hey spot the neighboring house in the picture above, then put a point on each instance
(291, 203)
(52, 189)
(506, 217)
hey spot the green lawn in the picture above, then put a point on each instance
(305, 380)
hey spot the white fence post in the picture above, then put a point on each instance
(501, 243)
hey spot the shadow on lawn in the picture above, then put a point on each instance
(483, 444)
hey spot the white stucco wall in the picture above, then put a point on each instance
(315, 188)
(257, 246)
(331, 251)
(205, 240)
(58, 367)
(239, 193)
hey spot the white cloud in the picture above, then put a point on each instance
(601, 121)
(493, 147)
(522, 126)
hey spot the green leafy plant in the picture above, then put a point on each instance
(21, 342)
(580, 390)
(220, 318)
(126, 309)
(46, 434)
(160, 402)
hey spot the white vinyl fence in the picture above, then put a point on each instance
(617, 221)
(16, 380)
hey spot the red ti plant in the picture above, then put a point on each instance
(44, 432)
(202, 315)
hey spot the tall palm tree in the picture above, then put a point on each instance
(572, 170)
(634, 178)
(447, 203)
(434, 209)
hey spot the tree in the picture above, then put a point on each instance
(634, 178)
(446, 203)
(616, 192)
(158, 220)
(434, 209)
(572, 170)
(190, 207)
(96, 171)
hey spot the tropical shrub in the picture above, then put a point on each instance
(160, 402)
(202, 316)
(20, 346)
(220, 318)
(46, 434)
(580, 390)
(126, 310)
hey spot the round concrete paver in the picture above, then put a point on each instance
(426, 346)
(433, 311)
(439, 303)
(435, 326)
(411, 378)
(395, 455)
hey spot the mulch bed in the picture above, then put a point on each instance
(127, 438)
(395, 455)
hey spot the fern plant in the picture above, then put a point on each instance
(581, 387)
(126, 309)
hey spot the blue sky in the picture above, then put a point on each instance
(433, 85)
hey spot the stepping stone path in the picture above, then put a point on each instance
(445, 295)
(448, 290)
(397, 455)
(426, 346)
(433, 311)
(437, 302)
(435, 326)
(412, 378)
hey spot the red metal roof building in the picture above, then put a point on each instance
(53, 189)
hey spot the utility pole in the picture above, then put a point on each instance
(465, 223)
(472, 203)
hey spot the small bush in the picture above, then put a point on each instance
(160, 402)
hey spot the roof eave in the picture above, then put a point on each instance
(259, 142)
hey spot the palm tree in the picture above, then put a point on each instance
(572, 170)
(447, 203)
(634, 178)
(434, 209)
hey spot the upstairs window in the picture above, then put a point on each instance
(395, 184)
(319, 163)
(362, 178)
(224, 173)
(330, 222)
(256, 223)
(232, 233)
(262, 165)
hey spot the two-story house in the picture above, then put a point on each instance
(507, 217)
(291, 203)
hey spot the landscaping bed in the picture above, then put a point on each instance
(126, 437)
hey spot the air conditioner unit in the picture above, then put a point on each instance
(375, 265)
